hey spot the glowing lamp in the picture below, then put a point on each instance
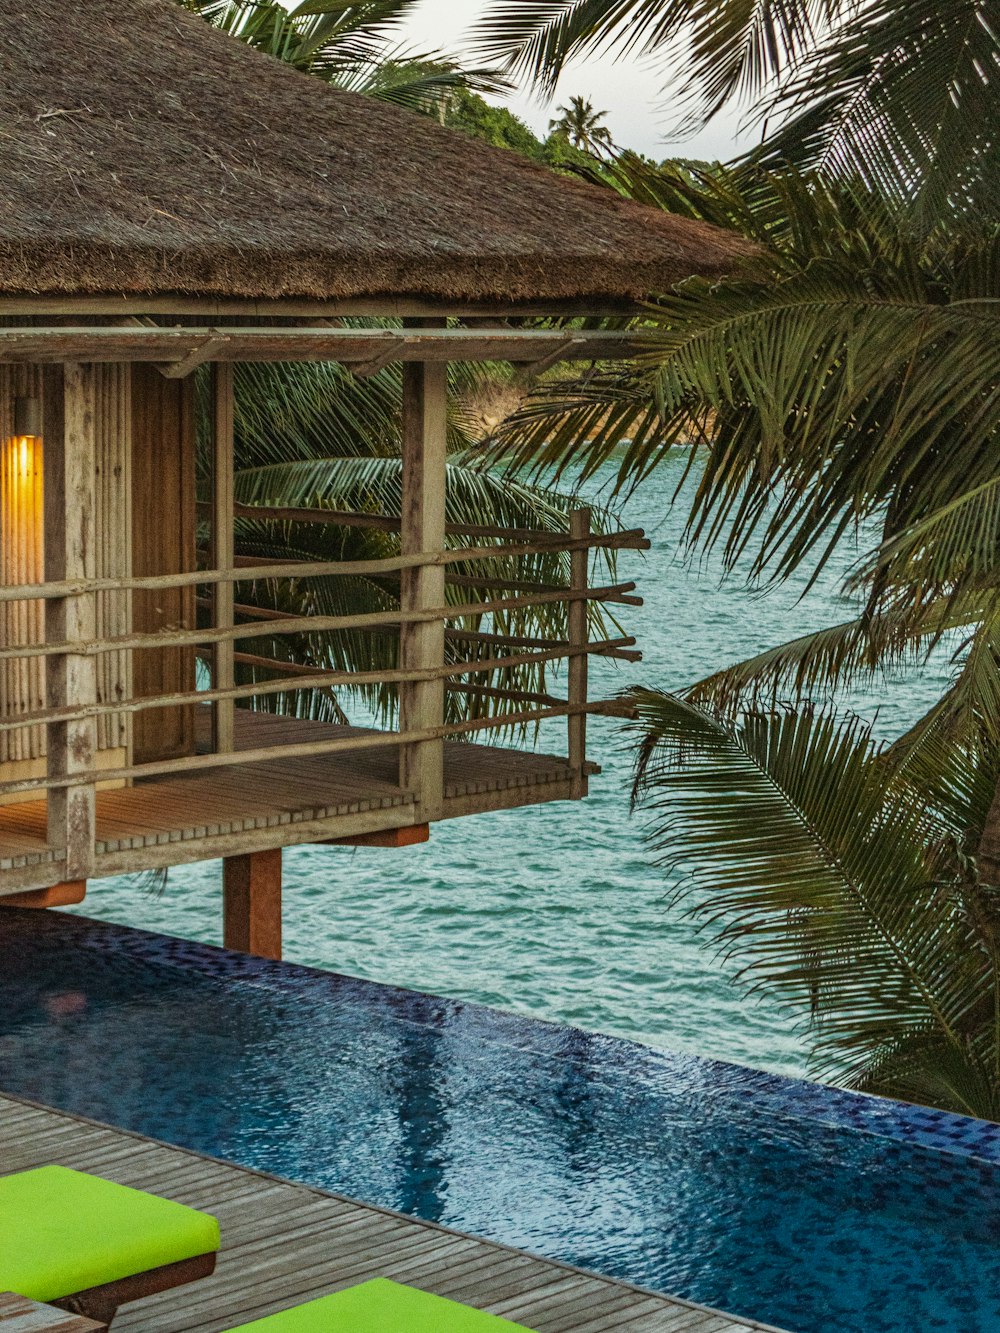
(21, 497)
(22, 561)
(27, 417)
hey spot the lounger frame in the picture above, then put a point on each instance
(101, 1303)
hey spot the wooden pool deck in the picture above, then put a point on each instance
(283, 1244)
(277, 802)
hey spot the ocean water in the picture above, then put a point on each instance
(558, 911)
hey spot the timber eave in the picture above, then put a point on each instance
(180, 349)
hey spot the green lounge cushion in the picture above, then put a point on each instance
(63, 1231)
(381, 1306)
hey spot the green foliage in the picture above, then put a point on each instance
(495, 125)
(312, 437)
(843, 883)
(900, 94)
(348, 43)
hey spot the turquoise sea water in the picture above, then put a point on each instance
(558, 911)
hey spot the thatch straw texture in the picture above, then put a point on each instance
(143, 152)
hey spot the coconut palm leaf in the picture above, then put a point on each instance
(819, 665)
(837, 885)
(349, 43)
(840, 386)
(729, 47)
(902, 94)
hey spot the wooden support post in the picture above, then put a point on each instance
(70, 553)
(421, 704)
(579, 528)
(251, 903)
(223, 597)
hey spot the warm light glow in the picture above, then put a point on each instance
(25, 448)
(22, 475)
(22, 561)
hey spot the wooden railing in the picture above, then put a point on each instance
(474, 663)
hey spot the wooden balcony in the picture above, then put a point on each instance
(243, 807)
(147, 677)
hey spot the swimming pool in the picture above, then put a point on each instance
(800, 1206)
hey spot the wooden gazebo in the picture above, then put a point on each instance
(173, 199)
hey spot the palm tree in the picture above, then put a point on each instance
(852, 378)
(846, 884)
(580, 123)
(899, 94)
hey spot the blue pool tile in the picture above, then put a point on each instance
(806, 1207)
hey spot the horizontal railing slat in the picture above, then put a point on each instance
(301, 569)
(291, 625)
(303, 677)
(190, 764)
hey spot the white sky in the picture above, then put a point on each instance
(639, 113)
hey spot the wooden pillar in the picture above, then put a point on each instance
(251, 903)
(421, 704)
(223, 597)
(579, 529)
(70, 554)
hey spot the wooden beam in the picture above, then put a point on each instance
(381, 308)
(393, 838)
(197, 356)
(421, 645)
(566, 351)
(251, 898)
(59, 895)
(177, 349)
(70, 553)
(222, 554)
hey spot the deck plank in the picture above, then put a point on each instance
(285, 1243)
(274, 794)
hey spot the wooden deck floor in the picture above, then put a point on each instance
(166, 821)
(284, 1244)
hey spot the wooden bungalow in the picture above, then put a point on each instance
(173, 200)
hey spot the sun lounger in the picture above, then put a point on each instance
(381, 1306)
(88, 1245)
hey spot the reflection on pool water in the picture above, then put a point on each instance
(792, 1204)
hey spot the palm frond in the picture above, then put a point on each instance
(306, 488)
(903, 94)
(823, 872)
(729, 48)
(818, 665)
(351, 44)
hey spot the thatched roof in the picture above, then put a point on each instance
(143, 152)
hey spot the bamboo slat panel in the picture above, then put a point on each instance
(284, 1244)
(113, 422)
(22, 559)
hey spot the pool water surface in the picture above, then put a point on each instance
(811, 1209)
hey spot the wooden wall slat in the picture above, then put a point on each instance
(163, 542)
